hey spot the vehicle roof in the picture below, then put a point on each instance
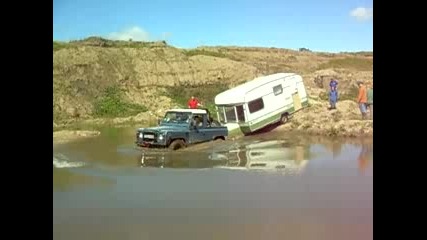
(194, 111)
(237, 94)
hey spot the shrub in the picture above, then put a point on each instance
(111, 104)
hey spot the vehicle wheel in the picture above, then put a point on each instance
(219, 139)
(177, 144)
(284, 119)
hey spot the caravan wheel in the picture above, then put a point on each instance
(284, 119)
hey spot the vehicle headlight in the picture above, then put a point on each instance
(140, 135)
(161, 137)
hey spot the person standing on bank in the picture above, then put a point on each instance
(362, 99)
(370, 100)
(193, 103)
(333, 84)
(333, 98)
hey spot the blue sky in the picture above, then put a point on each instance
(328, 25)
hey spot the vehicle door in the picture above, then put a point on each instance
(207, 132)
(196, 130)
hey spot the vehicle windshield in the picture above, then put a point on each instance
(176, 118)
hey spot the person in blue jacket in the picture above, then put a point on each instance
(333, 84)
(333, 98)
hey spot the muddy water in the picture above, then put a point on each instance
(260, 187)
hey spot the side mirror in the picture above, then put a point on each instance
(158, 121)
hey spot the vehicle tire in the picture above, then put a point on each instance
(285, 118)
(177, 144)
(219, 139)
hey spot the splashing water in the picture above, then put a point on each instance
(62, 161)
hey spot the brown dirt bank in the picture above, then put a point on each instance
(126, 83)
(66, 136)
(156, 75)
(317, 119)
(314, 120)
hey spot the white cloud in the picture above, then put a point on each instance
(134, 33)
(166, 35)
(362, 14)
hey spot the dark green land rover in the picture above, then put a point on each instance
(180, 128)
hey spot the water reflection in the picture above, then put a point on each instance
(287, 154)
(273, 155)
(334, 147)
(365, 157)
(179, 160)
(329, 201)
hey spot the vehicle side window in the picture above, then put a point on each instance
(199, 120)
(256, 105)
(278, 89)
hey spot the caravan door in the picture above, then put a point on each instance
(296, 98)
(297, 101)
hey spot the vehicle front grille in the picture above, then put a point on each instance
(148, 136)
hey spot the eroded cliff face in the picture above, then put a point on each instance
(81, 72)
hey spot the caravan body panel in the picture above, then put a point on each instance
(262, 101)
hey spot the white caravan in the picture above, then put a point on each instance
(263, 101)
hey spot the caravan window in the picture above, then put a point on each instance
(256, 105)
(230, 114)
(240, 113)
(278, 89)
(226, 114)
(221, 114)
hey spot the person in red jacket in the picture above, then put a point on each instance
(362, 99)
(193, 103)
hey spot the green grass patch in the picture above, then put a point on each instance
(195, 52)
(106, 43)
(111, 104)
(361, 64)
